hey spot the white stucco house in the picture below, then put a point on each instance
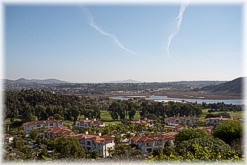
(216, 120)
(96, 142)
(146, 144)
(89, 123)
(41, 124)
(181, 120)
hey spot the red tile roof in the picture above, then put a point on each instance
(183, 118)
(218, 118)
(101, 139)
(174, 126)
(95, 138)
(208, 129)
(161, 137)
(58, 130)
(145, 121)
(91, 121)
(41, 122)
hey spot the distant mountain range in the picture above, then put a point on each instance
(125, 81)
(38, 81)
(234, 87)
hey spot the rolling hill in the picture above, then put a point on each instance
(38, 81)
(234, 87)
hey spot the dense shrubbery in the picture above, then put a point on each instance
(224, 115)
(189, 133)
(228, 131)
(217, 107)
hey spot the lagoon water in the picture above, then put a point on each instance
(199, 101)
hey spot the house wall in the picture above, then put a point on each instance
(180, 121)
(29, 128)
(102, 148)
(147, 147)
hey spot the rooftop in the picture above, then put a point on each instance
(161, 137)
(42, 122)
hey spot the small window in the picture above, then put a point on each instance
(149, 150)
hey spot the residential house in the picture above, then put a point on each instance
(216, 120)
(96, 142)
(147, 143)
(89, 123)
(175, 127)
(181, 120)
(207, 129)
(41, 124)
(57, 131)
(145, 121)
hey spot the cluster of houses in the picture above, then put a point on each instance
(55, 128)
(90, 142)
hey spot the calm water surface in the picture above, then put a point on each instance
(199, 101)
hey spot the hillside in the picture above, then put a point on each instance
(233, 87)
(38, 81)
(125, 81)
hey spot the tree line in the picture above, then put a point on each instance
(29, 105)
(153, 110)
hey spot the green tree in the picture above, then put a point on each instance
(189, 133)
(206, 149)
(74, 113)
(228, 131)
(67, 148)
(34, 134)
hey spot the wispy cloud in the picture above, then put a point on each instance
(176, 29)
(100, 30)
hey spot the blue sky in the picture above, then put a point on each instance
(59, 42)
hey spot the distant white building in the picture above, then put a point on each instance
(181, 120)
(41, 124)
(89, 123)
(175, 127)
(145, 121)
(148, 143)
(96, 142)
(216, 120)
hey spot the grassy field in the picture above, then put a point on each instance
(235, 115)
(106, 117)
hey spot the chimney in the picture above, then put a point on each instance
(100, 134)
(94, 119)
(139, 119)
(145, 118)
(232, 118)
(86, 132)
(221, 117)
(86, 118)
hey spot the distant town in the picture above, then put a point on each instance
(67, 121)
(183, 89)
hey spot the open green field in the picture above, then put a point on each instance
(106, 117)
(235, 115)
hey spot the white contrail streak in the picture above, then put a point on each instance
(178, 22)
(93, 24)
